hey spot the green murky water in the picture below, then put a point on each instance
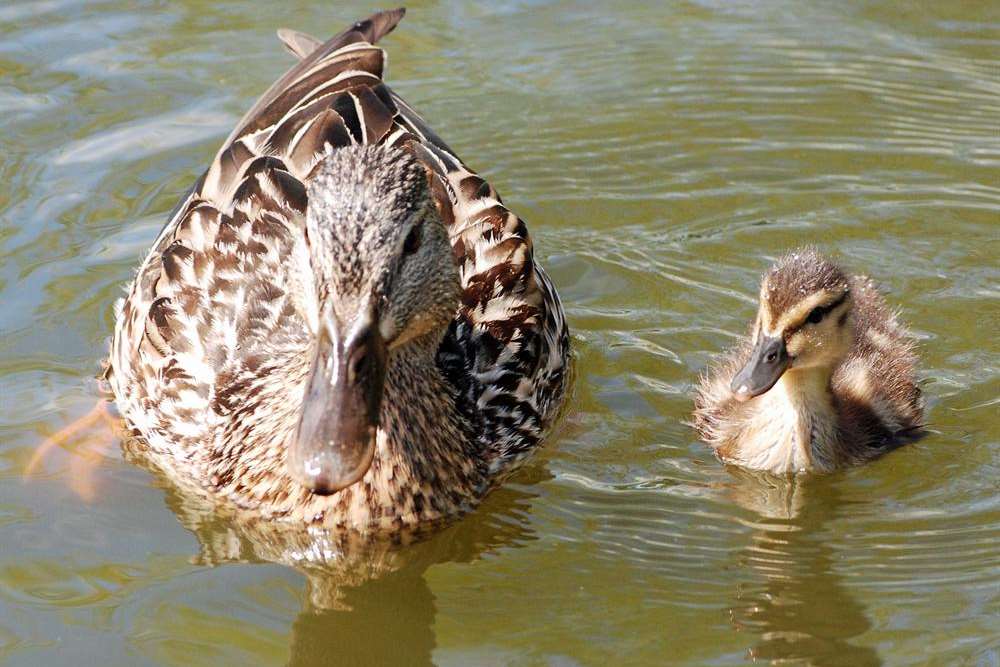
(661, 156)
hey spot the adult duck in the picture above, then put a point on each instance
(341, 324)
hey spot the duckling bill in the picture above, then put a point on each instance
(826, 378)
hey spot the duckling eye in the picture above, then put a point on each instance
(412, 242)
(816, 315)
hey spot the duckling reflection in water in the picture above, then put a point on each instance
(825, 380)
(789, 580)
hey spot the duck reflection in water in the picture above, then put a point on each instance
(368, 602)
(791, 583)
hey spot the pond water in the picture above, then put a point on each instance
(662, 156)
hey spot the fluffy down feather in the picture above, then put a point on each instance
(869, 403)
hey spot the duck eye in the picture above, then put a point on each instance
(815, 315)
(412, 242)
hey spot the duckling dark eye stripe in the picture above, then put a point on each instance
(825, 310)
(836, 304)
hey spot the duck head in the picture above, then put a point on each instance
(384, 278)
(804, 322)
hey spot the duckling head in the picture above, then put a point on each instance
(804, 322)
(384, 279)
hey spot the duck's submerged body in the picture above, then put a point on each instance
(339, 286)
(826, 379)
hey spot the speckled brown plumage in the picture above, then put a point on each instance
(850, 393)
(797, 275)
(211, 349)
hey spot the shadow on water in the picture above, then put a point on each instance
(366, 599)
(788, 602)
(387, 620)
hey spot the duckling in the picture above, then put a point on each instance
(824, 380)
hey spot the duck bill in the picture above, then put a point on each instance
(768, 361)
(335, 440)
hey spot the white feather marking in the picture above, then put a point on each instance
(340, 55)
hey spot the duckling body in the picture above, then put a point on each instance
(341, 324)
(826, 378)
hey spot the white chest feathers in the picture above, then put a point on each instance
(791, 428)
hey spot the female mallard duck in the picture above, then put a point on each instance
(340, 324)
(827, 380)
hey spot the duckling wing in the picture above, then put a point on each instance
(877, 382)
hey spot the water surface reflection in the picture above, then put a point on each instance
(662, 153)
(792, 597)
(366, 599)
